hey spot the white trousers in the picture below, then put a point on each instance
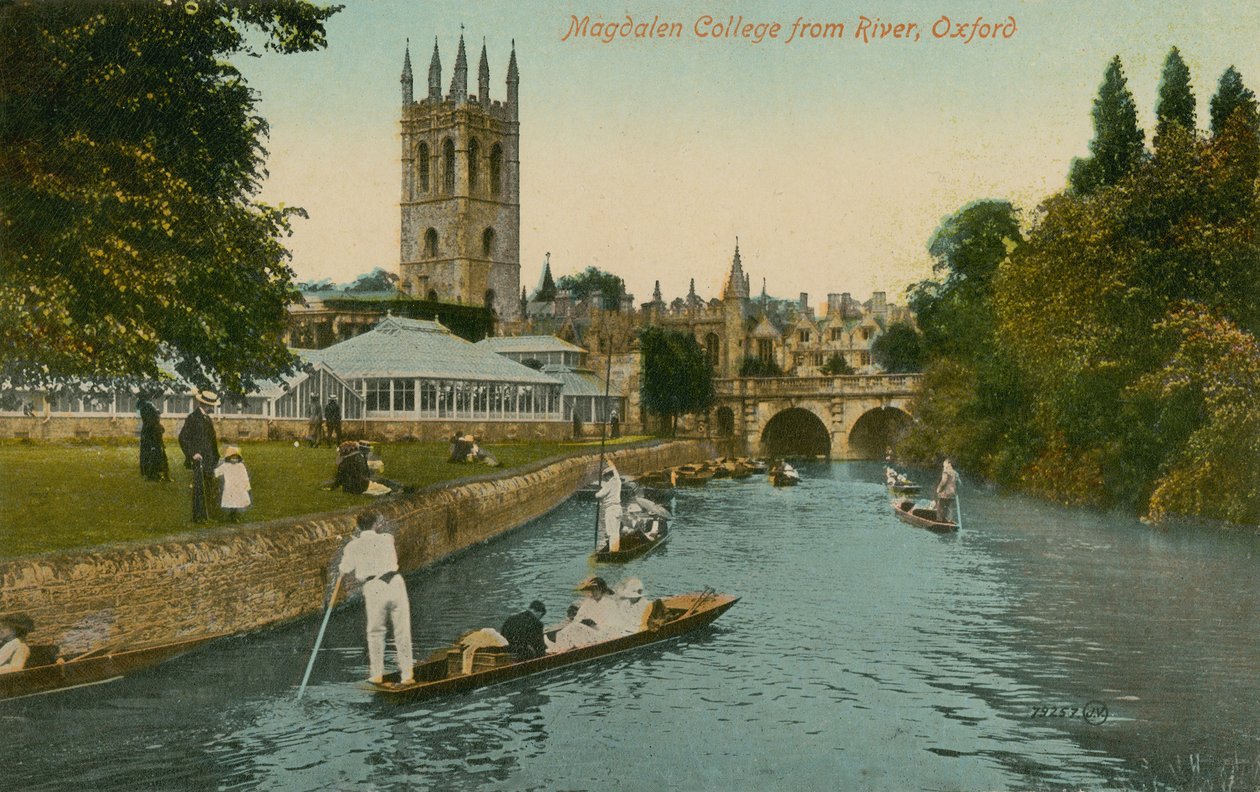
(387, 602)
(612, 527)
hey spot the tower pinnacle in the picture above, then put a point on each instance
(406, 75)
(459, 80)
(483, 77)
(435, 74)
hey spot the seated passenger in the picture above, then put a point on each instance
(632, 609)
(13, 651)
(524, 632)
(594, 615)
(353, 474)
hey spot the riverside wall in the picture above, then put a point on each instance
(243, 579)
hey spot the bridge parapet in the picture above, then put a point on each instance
(845, 385)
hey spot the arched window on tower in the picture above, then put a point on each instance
(712, 349)
(430, 243)
(474, 155)
(448, 166)
(422, 154)
(496, 169)
(487, 242)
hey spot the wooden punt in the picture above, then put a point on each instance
(633, 546)
(904, 489)
(785, 476)
(692, 475)
(684, 614)
(92, 668)
(922, 518)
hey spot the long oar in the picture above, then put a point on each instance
(319, 639)
(958, 500)
(599, 479)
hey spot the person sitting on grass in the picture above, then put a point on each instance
(14, 652)
(353, 475)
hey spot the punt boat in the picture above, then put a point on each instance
(633, 546)
(441, 674)
(98, 666)
(922, 517)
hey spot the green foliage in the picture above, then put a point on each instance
(754, 366)
(131, 153)
(835, 366)
(897, 350)
(1118, 141)
(1230, 95)
(378, 279)
(592, 281)
(1176, 97)
(677, 378)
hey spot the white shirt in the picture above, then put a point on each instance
(13, 655)
(610, 491)
(371, 554)
(235, 485)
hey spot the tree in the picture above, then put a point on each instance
(1230, 95)
(131, 154)
(1118, 141)
(1176, 97)
(897, 350)
(677, 378)
(836, 366)
(379, 279)
(755, 366)
(592, 281)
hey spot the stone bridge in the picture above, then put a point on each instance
(845, 417)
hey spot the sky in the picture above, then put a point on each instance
(832, 160)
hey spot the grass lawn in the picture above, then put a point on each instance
(58, 496)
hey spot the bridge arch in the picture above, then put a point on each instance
(877, 430)
(795, 431)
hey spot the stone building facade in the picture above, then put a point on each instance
(460, 198)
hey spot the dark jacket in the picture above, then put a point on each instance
(353, 474)
(524, 634)
(153, 464)
(332, 413)
(197, 437)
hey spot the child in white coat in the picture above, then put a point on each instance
(235, 487)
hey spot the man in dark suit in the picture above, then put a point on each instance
(332, 420)
(524, 632)
(201, 452)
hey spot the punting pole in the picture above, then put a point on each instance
(319, 639)
(603, 430)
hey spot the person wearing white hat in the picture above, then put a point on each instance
(630, 615)
(201, 451)
(236, 492)
(593, 619)
(609, 497)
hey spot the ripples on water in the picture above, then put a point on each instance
(864, 654)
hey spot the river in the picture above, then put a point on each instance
(864, 654)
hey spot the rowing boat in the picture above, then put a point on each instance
(91, 668)
(441, 674)
(922, 518)
(633, 546)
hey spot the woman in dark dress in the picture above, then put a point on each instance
(153, 463)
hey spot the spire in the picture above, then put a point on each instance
(656, 293)
(406, 75)
(737, 282)
(459, 80)
(483, 77)
(513, 80)
(692, 291)
(435, 74)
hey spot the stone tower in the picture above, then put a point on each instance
(461, 209)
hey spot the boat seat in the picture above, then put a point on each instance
(485, 658)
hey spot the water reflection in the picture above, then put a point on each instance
(864, 654)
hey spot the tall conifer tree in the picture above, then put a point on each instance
(1176, 97)
(1230, 95)
(1118, 141)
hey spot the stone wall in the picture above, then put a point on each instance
(243, 579)
(85, 427)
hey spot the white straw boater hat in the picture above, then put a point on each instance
(206, 397)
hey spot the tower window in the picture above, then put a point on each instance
(448, 166)
(487, 242)
(474, 154)
(490, 299)
(432, 295)
(496, 169)
(712, 347)
(430, 243)
(423, 156)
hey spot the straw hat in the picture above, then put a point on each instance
(206, 397)
(594, 583)
(231, 451)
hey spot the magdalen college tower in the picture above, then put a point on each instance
(461, 206)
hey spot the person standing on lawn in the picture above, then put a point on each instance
(236, 491)
(315, 424)
(201, 452)
(332, 420)
(153, 462)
